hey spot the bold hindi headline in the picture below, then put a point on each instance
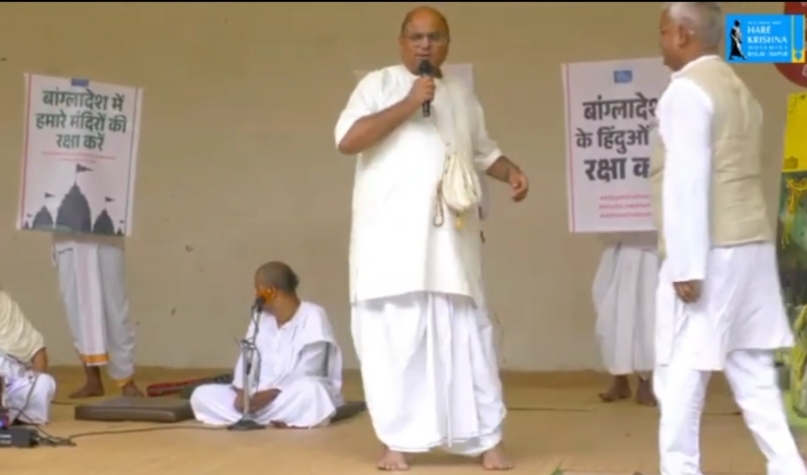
(88, 113)
(620, 140)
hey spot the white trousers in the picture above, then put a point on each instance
(305, 403)
(92, 282)
(681, 392)
(429, 372)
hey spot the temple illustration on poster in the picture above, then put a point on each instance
(73, 213)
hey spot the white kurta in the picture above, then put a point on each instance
(419, 322)
(18, 338)
(739, 319)
(484, 203)
(301, 359)
(624, 291)
(92, 282)
(395, 190)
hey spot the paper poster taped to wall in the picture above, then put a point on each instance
(79, 156)
(610, 111)
(464, 71)
(792, 257)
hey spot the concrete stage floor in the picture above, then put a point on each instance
(555, 420)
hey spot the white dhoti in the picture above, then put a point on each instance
(27, 394)
(735, 326)
(303, 404)
(429, 371)
(624, 298)
(92, 281)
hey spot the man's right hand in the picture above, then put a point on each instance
(238, 404)
(422, 91)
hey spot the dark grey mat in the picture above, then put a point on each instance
(135, 409)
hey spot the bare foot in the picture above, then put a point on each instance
(496, 459)
(93, 387)
(644, 393)
(392, 461)
(131, 390)
(620, 389)
(88, 390)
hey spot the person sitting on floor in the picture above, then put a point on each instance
(27, 389)
(295, 379)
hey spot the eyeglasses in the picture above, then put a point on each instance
(436, 37)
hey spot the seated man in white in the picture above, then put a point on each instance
(27, 389)
(295, 376)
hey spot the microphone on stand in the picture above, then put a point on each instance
(425, 69)
(248, 349)
(258, 305)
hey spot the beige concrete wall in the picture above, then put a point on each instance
(237, 164)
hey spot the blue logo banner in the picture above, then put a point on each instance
(765, 38)
(623, 77)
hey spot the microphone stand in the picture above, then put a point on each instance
(247, 423)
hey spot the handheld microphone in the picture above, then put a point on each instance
(425, 69)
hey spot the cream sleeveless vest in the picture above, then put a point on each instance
(738, 210)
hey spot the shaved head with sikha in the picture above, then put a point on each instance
(689, 30)
(277, 276)
(424, 36)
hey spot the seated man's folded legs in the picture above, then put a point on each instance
(215, 404)
(28, 397)
(306, 403)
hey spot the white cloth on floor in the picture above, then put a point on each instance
(27, 394)
(429, 371)
(300, 358)
(93, 286)
(624, 291)
(738, 321)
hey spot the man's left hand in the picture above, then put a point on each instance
(518, 184)
(688, 292)
(261, 399)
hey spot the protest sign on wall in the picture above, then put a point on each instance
(79, 156)
(610, 112)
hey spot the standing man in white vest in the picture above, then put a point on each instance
(719, 304)
(415, 265)
(93, 286)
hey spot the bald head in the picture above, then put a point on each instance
(425, 14)
(704, 20)
(277, 275)
(424, 37)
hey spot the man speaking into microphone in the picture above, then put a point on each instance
(426, 353)
(294, 378)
